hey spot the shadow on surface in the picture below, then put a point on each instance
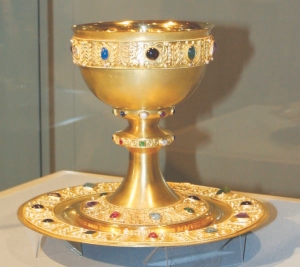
(219, 82)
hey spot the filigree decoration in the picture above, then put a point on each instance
(172, 54)
(143, 142)
(36, 218)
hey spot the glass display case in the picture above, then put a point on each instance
(241, 129)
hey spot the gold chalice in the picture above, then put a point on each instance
(142, 69)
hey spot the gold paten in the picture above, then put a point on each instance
(142, 69)
(214, 218)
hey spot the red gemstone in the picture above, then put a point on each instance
(114, 215)
(121, 142)
(153, 235)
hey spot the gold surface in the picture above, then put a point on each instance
(214, 218)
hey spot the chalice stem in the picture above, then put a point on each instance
(144, 185)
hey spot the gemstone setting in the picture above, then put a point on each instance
(153, 235)
(91, 204)
(142, 143)
(189, 210)
(114, 215)
(48, 221)
(152, 53)
(155, 216)
(37, 206)
(191, 53)
(104, 53)
(194, 198)
(211, 230)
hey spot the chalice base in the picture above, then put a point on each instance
(83, 214)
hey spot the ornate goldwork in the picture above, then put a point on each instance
(143, 142)
(132, 55)
(224, 225)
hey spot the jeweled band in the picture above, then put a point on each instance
(143, 142)
(142, 54)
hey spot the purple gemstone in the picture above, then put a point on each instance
(215, 47)
(122, 114)
(242, 215)
(37, 206)
(91, 204)
(162, 114)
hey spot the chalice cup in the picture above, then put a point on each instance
(143, 69)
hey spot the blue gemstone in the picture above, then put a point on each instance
(191, 53)
(155, 216)
(104, 53)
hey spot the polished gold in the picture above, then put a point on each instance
(214, 218)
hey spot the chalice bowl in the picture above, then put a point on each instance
(142, 69)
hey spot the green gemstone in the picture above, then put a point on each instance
(191, 53)
(211, 230)
(89, 185)
(225, 189)
(189, 210)
(142, 143)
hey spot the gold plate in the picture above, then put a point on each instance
(57, 214)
